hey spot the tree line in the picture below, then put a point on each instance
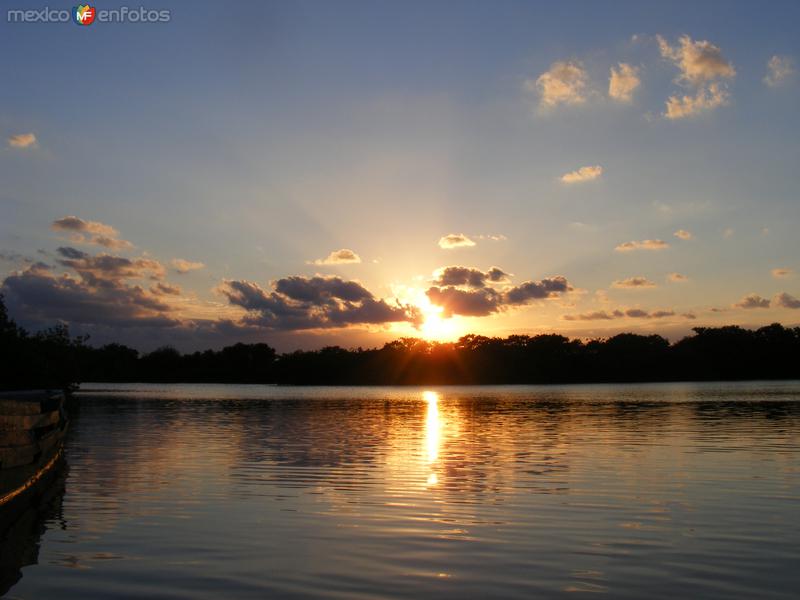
(54, 359)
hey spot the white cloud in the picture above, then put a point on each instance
(780, 69)
(699, 61)
(702, 68)
(22, 140)
(582, 174)
(642, 245)
(683, 234)
(782, 273)
(677, 278)
(623, 82)
(455, 240)
(345, 256)
(183, 266)
(564, 83)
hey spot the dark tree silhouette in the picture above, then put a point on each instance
(53, 359)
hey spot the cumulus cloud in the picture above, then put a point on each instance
(566, 82)
(22, 140)
(780, 69)
(99, 295)
(703, 69)
(80, 231)
(634, 283)
(296, 303)
(784, 300)
(455, 240)
(683, 234)
(642, 245)
(708, 98)
(631, 313)
(182, 266)
(752, 301)
(345, 256)
(623, 82)
(468, 292)
(677, 278)
(108, 267)
(582, 174)
(782, 273)
(468, 276)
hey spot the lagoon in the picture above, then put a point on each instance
(249, 491)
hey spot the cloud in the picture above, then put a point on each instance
(680, 107)
(623, 82)
(108, 267)
(780, 69)
(470, 277)
(296, 303)
(582, 174)
(702, 68)
(752, 301)
(564, 83)
(634, 282)
(642, 245)
(455, 240)
(165, 289)
(631, 313)
(182, 266)
(677, 278)
(698, 61)
(39, 295)
(784, 300)
(728, 233)
(90, 232)
(683, 234)
(478, 301)
(782, 273)
(22, 140)
(344, 256)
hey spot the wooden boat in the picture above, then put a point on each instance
(32, 429)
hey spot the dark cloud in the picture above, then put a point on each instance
(468, 276)
(37, 295)
(469, 303)
(480, 300)
(631, 313)
(752, 301)
(313, 303)
(785, 300)
(109, 267)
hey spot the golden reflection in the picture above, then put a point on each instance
(433, 433)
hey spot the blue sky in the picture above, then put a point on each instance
(262, 139)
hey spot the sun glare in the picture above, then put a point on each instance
(435, 327)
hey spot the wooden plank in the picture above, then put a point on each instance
(17, 457)
(26, 422)
(20, 407)
(15, 437)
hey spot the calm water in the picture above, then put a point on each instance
(186, 491)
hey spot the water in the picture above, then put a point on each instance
(206, 491)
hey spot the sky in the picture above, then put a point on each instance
(315, 173)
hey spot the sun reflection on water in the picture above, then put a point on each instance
(433, 434)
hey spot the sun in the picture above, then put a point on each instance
(435, 327)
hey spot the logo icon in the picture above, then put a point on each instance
(83, 14)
